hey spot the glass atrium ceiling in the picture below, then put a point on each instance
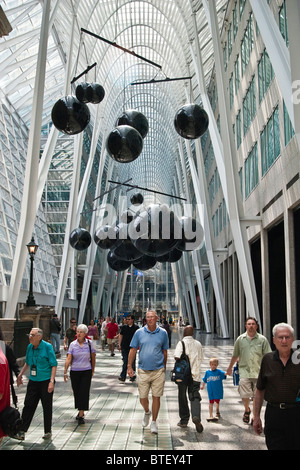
(161, 32)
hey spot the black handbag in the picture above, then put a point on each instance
(10, 421)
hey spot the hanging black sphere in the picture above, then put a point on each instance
(191, 121)
(90, 92)
(171, 257)
(162, 258)
(70, 116)
(124, 144)
(126, 251)
(134, 119)
(192, 234)
(159, 229)
(116, 263)
(105, 237)
(137, 199)
(144, 263)
(80, 239)
(174, 255)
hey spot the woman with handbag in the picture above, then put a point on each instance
(81, 357)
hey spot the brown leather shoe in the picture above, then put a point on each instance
(198, 424)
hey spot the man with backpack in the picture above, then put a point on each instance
(193, 349)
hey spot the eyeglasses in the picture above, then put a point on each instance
(282, 338)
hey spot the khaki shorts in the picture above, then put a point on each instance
(153, 380)
(247, 388)
(111, 340)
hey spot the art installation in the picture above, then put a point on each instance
(106, 237)
(124, 144)
(137, 199)
(191, 121)
(154, 235)
(70, 116)
(135, 119)
(80, 239)
(159, 230)
(90, 93)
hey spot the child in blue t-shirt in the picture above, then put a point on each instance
(214, 379)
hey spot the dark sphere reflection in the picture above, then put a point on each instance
(191, 121)
(124, 144)
(70, 116)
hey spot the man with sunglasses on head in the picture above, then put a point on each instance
(41, 360)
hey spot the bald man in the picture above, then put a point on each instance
(193, 349)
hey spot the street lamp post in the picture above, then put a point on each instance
(32, 249)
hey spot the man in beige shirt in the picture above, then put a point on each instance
(193, 349)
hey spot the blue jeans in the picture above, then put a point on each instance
(55, 340)
(125, 354)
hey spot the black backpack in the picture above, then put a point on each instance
(10, 421)
(182, 370)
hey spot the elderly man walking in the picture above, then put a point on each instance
(152, 343)
(41, 360)
(279, 384)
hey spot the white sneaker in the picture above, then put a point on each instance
(153, 428)
(146, 419)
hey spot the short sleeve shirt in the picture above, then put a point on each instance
(151, 345)
(127, 333)
(81, 355)
(112, 330)
(280, 383)
(43, 359)
(250, 353)
(213, 379)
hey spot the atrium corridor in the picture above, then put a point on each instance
(113, 422)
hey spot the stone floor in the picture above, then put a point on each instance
(113, 422)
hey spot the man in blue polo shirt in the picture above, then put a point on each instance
(152, 343)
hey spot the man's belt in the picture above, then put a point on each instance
(284, 406)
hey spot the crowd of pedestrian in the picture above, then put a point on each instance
(264, 375)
